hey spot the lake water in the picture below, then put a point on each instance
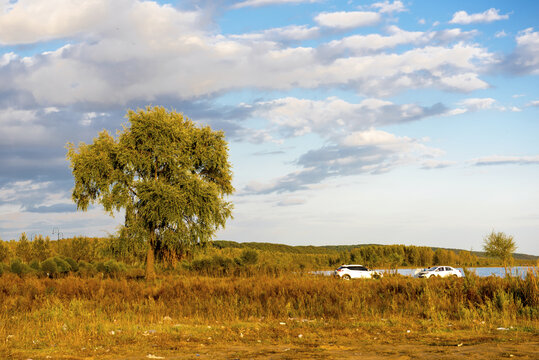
(479, 271)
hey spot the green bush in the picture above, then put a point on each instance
(249, 257)
(5, 253)
(19, 268)
(49, 267)
(111, 268)
(86, 268)
(34, 264)
(72, 263)
(217, 265)
(63, 266)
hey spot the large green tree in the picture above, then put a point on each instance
(501, 246)
(170, 176)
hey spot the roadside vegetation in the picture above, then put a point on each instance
(99, 317)
(89, 296)
(117, 257)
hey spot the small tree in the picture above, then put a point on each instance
(5, 252)
(24, 248)
(501, 246)
(169, 175)
(41, 248)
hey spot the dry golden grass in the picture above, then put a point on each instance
(74, 317)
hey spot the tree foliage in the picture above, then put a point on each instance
(501, 246)
(24, 248)
(170, 176)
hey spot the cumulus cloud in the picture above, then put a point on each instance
(436, 164)
(331, 116)
(389, 7)
(197, 67)
(291, 201)
(36, 196)
(372, 43)
(147, 51)
(367, 152)
(31, 21)
(478, 104)
(490, 15)
(525, 57)
(257, 3)
(347, 19)
(506, 160)
(283, 34)
(475, 104)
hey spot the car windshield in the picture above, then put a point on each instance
(432, 268)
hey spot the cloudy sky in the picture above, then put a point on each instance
(390, 122)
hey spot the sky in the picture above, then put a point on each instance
(349, 122)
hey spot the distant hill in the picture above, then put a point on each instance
(330, 249)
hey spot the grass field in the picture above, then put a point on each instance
(179, 317)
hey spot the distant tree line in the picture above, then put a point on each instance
(119, 254)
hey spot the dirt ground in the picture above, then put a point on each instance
(489, 348)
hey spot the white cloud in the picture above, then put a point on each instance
(475, 104)
(364, 44)
(31, 21)
(500, 34)
(147, 51)
(7, 58)
(191, 66)
(347, 20)
(387, 7)
(332, 116)
(436, 164)
(478, 104)
(288, 33)
(490, 15)
(365, 152)
(534, 103)
(525, 58)
(373, 137)
(291, 201)
(22, 189)
(506, 160)
(257, 3)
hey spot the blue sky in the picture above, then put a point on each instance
(349, 122)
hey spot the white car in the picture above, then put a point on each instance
(439, 271)
(348, 272)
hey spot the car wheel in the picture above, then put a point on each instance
(346, 277)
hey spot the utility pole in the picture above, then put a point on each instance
(56, 230)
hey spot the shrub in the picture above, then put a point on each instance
(63, 266)
(86, 268)
(49, 267)
(18, 267)
(34, 264)
(72, 263)
(111, 268)
(249, 257)
(5, 253)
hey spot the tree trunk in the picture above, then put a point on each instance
(150, 258)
